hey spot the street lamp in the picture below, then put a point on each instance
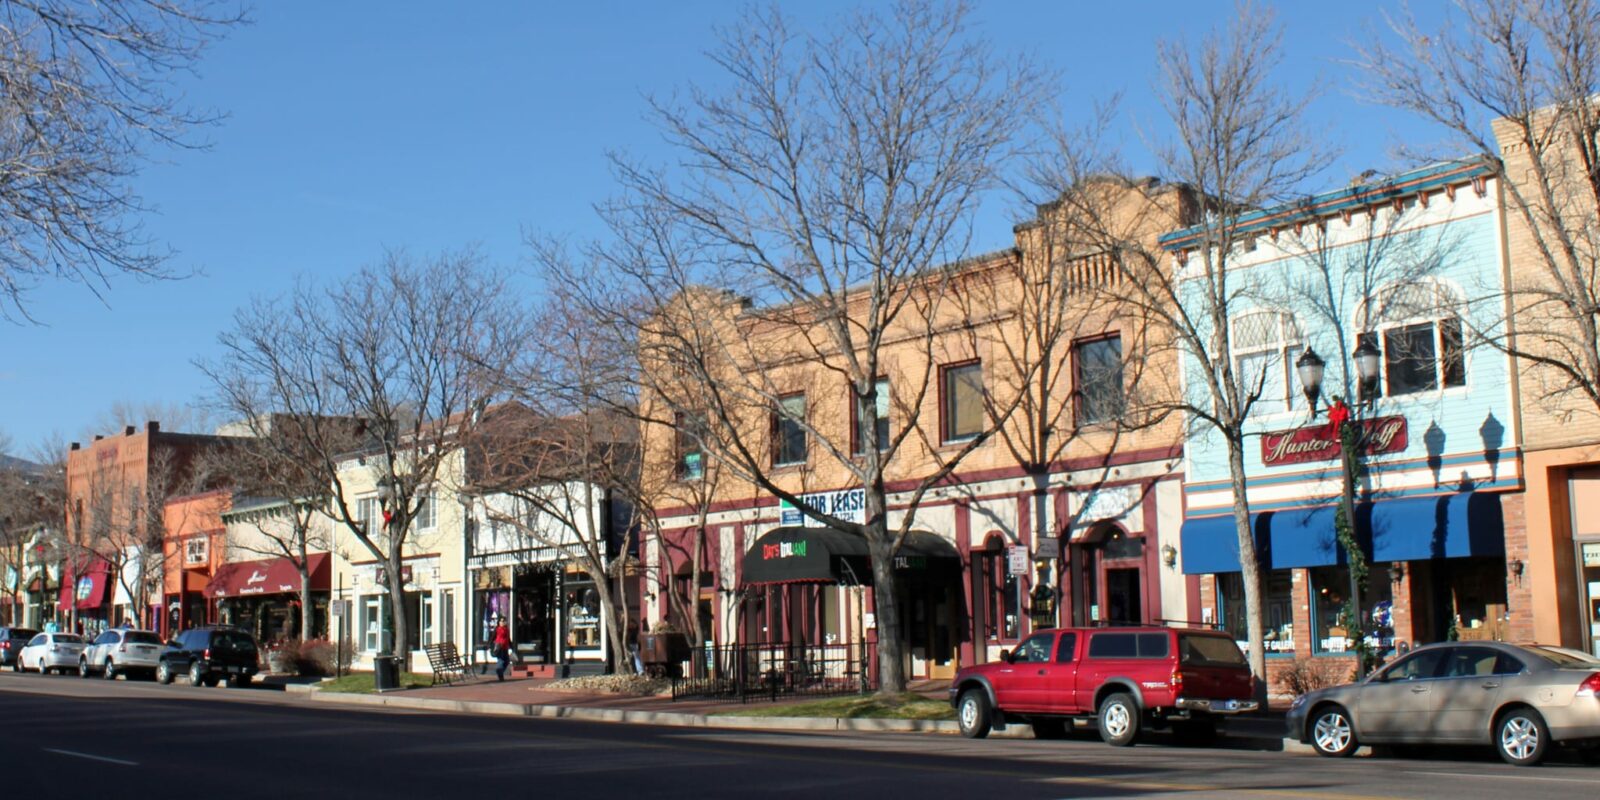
(1310, 366)
(1352, 442)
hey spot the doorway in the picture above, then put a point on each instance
(1123, 590)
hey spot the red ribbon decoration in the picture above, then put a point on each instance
(1338, 414)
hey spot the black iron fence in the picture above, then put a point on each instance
(770, 671)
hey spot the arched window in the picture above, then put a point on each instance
(1417, 328)
(1265, 345)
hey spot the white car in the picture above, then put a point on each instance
(121, 651)
(51, 651)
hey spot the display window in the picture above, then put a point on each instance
(1277, 606)
(1330, 591)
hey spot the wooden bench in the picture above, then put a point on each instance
(446, 663)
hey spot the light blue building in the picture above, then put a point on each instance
(1412, 271)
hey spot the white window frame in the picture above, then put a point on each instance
(425, 626)
(371, 606)
(1281, 351)
(367, 511)
(197, 555)
(1448, 301)
(427, 512)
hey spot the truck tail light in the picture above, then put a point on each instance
(1177, 680)
(206, 655)
(1590, 686)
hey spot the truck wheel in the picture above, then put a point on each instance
(1119, 720)
(1049, 729)
(1332, 733)
(197, 676)
(972, 714)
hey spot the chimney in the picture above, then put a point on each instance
(98, 437)
(73, 446)
(128, 431)
(152, 427)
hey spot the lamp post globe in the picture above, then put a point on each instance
(1367, 359)
(1310, 366)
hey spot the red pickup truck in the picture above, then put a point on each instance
(1128, 679)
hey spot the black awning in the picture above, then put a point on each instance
(826, 555)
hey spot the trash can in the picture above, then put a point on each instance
(386, 673)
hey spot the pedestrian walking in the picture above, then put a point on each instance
(502, 648)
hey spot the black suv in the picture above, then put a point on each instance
(12, 640)
(209, 655)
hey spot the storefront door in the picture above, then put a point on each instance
(1123, 591)
(533, 615)
(1583, 491)
(1589, 590)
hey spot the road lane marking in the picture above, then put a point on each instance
(1506, 777)
(91, 757)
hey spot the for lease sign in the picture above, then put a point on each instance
(845, 504)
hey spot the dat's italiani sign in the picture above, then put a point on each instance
(1321, 442)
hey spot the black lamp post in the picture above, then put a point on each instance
(1352, 436)
(388, 493)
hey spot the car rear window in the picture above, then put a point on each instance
(1209, 651)
(143, 637)
(1128, 645)
(68, 638)
(23, 633)
(1566, 659)
(232, 642)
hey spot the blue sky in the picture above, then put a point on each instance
(358, 127)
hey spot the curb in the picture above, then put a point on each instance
(683, 720)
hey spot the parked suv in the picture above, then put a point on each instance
(121, 651)
(12, 640)
(1127, 679)
(209, 655)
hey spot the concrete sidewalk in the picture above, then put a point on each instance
(534, 698)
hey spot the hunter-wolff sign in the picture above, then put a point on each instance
(1321, 442)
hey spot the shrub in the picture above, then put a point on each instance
(312, 657)
(1307, 675)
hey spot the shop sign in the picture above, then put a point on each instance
(1048, 547)
(1321, 442)
(1591, 554)
(339, 608)
(381, 575)
(84, 588)
(910, 562)
(845, 504)
(783, 550)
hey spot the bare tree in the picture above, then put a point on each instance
(1238, 142)
(412, 349)
(88, 88)
(1521, 78)
(832, 182)
(32, 498)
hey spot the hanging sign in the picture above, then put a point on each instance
(1321, 442)
(1591, 554)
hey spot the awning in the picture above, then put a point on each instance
(267, 576)
(84, 586)
(1447, 526)
(825, 555)
(1211, 544)
(1402, 529)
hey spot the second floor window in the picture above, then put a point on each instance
(877, 435)
(426, 514)
(1265, 345)
(1420, 337)
(962, 398)
(690, 462)
(196, 550)
(788, 434)
(367, 515)
(1097, 365)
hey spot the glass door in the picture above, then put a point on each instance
(1589, 590)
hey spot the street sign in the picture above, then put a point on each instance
(1017, 560)
(1048, 547)
(339, 608)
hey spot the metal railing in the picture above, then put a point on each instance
(770, 671)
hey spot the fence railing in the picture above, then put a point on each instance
(770, 671)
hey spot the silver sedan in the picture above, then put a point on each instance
(1519, 699)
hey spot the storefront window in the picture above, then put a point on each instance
(371, 623)
(427, 620)
(492, 604)
(583, 612)
(1330, 590)
(1000, 597)
(1277, 607)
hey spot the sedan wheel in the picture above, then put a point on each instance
(83, 667)
(110, 672)
(1332, 733)
(1521, 737)
(164, 673)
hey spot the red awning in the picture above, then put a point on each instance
(267, 576)
(85, 587)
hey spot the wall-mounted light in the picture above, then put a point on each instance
(1397, 572)
(1516, 569)
(1169, 555)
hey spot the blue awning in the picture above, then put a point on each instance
(1403, 529)
(1446, 526)
(1211, 544)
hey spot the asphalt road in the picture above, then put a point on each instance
(67, 737)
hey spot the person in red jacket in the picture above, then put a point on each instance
(502, 648)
